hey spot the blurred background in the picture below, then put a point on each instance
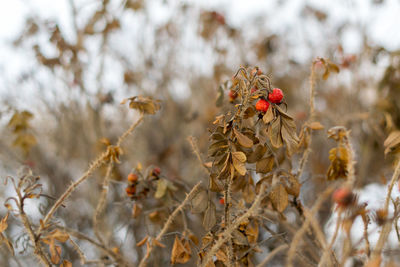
(66, 65)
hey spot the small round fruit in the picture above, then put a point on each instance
(343, 197)
(132, 177)
(222, 201)
(232, 95)
(130, 190)
(276, 96)
(262, 105)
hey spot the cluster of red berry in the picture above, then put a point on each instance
(138, 189)
(132, 182)
(275, 97)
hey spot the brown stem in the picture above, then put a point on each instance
(28, 226)
(168, 223)
(235, 224)
(102, 201)
(388, 224)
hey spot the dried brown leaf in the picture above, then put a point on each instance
(315, 125)
(289, 135)
(210, 218)
(279, 197)
(181, 251)
(144, 104)
(265, 165)
(242, 139)
(392, 143)
(269, 115)
(274, 132)
(66, 263)
(142, 242)
(238, 161)
(161, 188)
(199, 202)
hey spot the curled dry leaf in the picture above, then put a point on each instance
(252, 232)
(392, 143)
(292, 186)
(269, 115)
(66, 263)
(210, 218)
(161, 188)
(274, 132)
(265, 165)
(289, 135)
(238, 161)
(142, 242)
(144, 104)
(199, 202)
(339, 158)
(315, 125)
(158, 243)
(181, 251)
(3, 223)
(279, 197)
(113, 153)
(242, 139)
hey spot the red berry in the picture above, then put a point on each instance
(130, 190)
(343, 197)
(156, 171)
(253, 90)
(276, 96)
(132, 177)
(232, 95)
(262, 105)
(222, 201)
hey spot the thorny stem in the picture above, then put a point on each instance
(388, 224)
(168, 223)
(329, 247)
(94, 166)
(227, 198)
(351, 178)
(193, 142)
(130, 130)
(307, 134)
(306, 224)
(81, 236)
(235, 224)
(102, 202)
(27, 224)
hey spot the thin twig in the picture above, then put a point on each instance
(388, 224)
(102, 201)
(82, 236)
(193, 142)
(227, 217)
(235, 224)
(28, 226)
(130, 130)
(94, 166)
(272, 254)
(298, 236)
(168, 223)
